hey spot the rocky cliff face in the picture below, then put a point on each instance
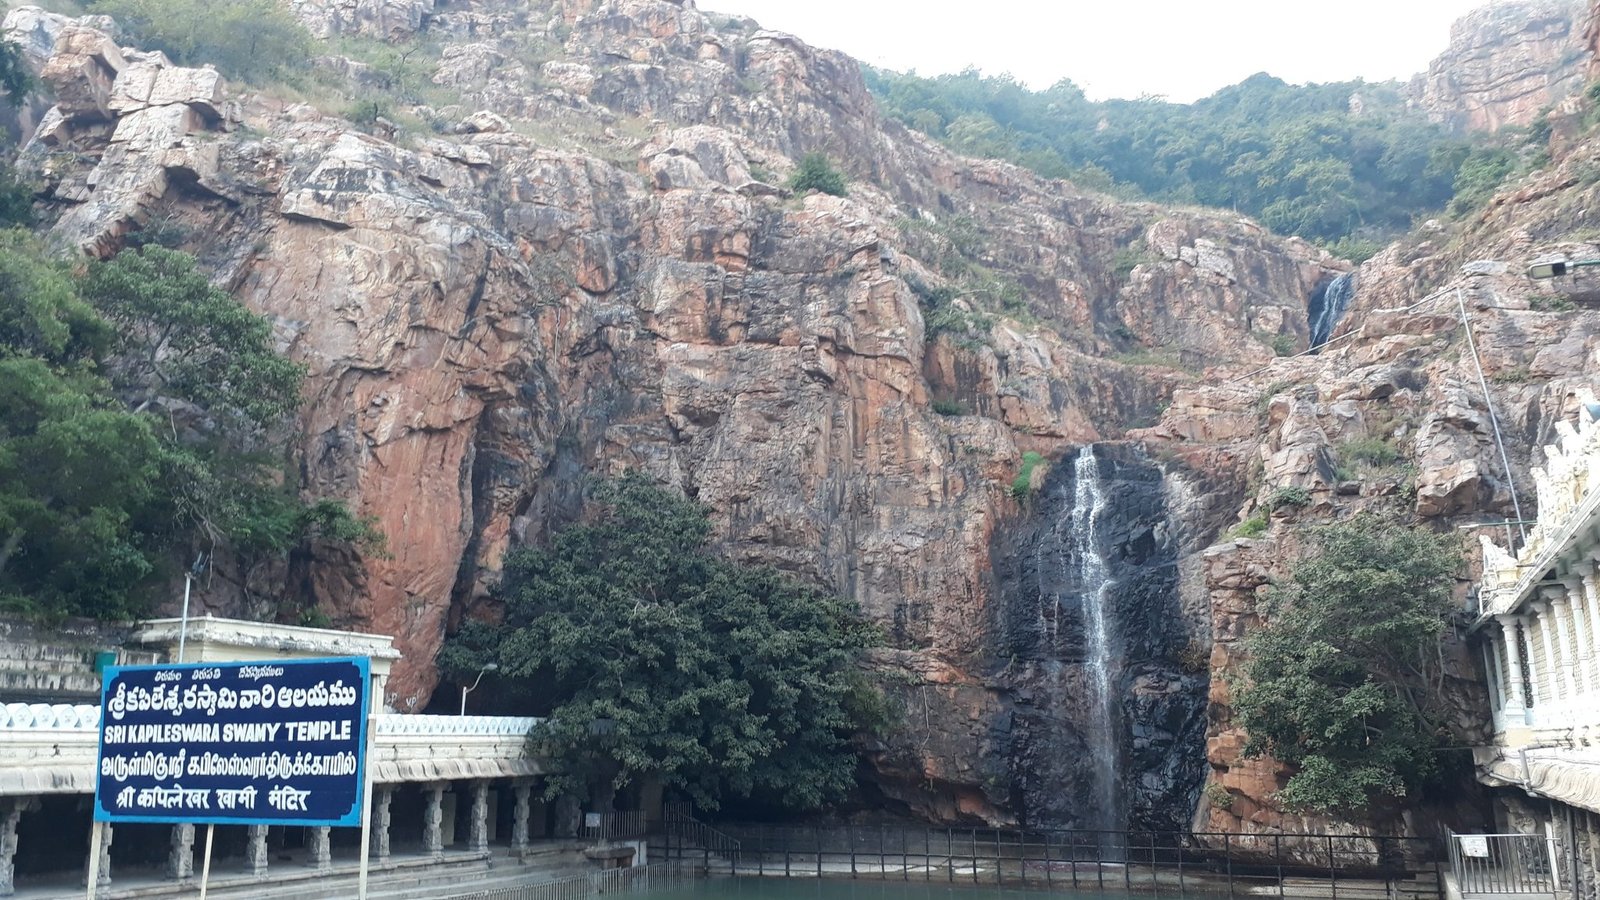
(1506, 63)
(589, 265)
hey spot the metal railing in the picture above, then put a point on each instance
(688, 838)
(1486, 864)
(615, 826)
(1321, 866)
(636, 879)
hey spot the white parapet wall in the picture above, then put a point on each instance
(50, 748)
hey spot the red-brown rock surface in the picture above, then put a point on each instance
(591, 267)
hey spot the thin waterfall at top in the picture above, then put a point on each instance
(1094, 579)
(1329, 306)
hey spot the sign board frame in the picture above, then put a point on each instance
(359, 712)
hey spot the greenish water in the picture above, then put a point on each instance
(846, 889)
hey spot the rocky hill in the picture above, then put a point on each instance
(1507, 62)
(578, 257)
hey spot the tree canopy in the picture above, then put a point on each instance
(654, 658)
(1323, 161)
(1344, 680)
(140, 414)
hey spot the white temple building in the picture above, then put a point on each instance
(1538, 628)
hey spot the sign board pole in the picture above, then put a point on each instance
(95, 836)
(366, 791)
(205, 867)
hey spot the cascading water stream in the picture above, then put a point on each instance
(1330, 307)
(1081, 533)
(1105, 727)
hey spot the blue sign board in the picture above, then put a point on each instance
(258, 743)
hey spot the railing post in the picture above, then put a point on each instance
(1177, 840)
(1277, 857)
(927, 855)
(1049, 846)
(1099, 870)
(1227, 853)
(816, 832)
(1154, 884)
(1072, 856)
(1333, 873)
(997, 857)
(850, 835)
(974, 856)
(883, 864)
(950, 855)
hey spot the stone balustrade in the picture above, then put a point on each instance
(500, 726)
(50, 748)
(49, 717)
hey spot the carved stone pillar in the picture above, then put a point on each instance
(319, 850)
(520, 789)
(11, 810)
(1549, 676)
(1517, 699)
(380, 822)
(478, 828)
(255, 850)
(1582, 631)
(1491, 672)
(180, 861)
(1591, 593)
(433, 819)
(1558, 610)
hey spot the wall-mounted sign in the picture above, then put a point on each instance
(258, 743)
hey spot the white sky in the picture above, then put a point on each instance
(1184, 49)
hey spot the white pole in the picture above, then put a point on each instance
(94, 858)
(205, 867)
(373, 692)
(1494, 420)
(183, 624)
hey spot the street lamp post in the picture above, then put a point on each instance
(487, 667)
(1559, 267)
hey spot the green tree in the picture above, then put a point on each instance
(654, 658)
(1344, 680)
(816, 173)
(76, 471)
(16, 197)
(181, 338)
(139, 416)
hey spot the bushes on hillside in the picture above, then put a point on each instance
(252, 40)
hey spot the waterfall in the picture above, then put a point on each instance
(1101, 725)
(1328, 307)
(1094, 580)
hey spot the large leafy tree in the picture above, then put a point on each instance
(1345, 679)
(140, 420)
(654, 658)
